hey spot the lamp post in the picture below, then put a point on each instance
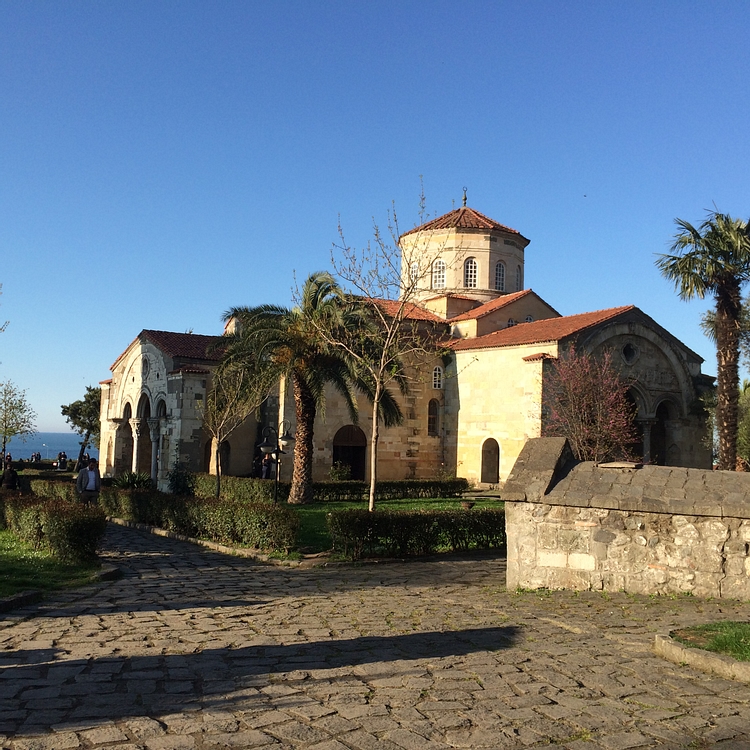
(282, 438)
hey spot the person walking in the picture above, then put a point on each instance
(89, 483)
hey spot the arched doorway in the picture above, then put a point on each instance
(637, 447)
(490, 462)
(143, 412)
(349, 448)
(660, 435)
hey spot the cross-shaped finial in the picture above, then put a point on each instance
(464, 197)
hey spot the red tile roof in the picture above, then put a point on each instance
(538, 356)
(188, 345)
(411, 311)
(464, 218)
(492, 305)
(540, 331)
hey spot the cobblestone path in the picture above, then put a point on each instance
(192, 649)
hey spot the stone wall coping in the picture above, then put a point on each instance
(546, 473)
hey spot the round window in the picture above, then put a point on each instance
(629, 353)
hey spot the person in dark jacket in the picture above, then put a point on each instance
(89, 483)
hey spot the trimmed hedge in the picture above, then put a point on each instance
(69, 530)
(261, 490)
(241, 489)
(261, 525)
(406, 533)
(54, 488)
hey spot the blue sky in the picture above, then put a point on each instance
(161, 162)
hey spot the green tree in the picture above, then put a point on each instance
(83, 416)
(714, 258)
(17, 418)
(287, 343)
(235, 393)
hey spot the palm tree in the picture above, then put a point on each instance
(289, 343)
(715, 258)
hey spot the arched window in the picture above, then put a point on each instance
(470, 273)
(437, 378)
(519, 285)
(500, 276)
(511, 322)
(438, 274)
(433, 418)
(414, 272)
(529, 319)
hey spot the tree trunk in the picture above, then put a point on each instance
(728, 384)
(79, 462)
(301, 491)
(218, 469)
(374, 449)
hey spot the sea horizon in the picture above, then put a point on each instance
(49, 444)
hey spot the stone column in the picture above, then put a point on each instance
(117, 425)
(646, 424)
(137, 425)
(154, 428)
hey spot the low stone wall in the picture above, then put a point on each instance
(649, 530)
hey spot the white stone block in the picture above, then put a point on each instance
(551, 559)
(580, 561)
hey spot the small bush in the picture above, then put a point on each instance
(71, 531)
(181, 481)
(52, 489)
(133, 480)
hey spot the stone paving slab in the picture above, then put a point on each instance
(194, 649)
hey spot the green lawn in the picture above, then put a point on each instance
(314, 536)
(23, 568)
(730, 638)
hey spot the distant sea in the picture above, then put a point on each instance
(49, 444)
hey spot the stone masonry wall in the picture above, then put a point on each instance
(649, 530)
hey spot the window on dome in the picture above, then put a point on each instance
(470, 273)
(529, 319)
(438, 274)
(414, 272)
(511, 322)
(437, 378)
(500, 276)
(519, 285)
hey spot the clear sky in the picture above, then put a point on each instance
(163, 161)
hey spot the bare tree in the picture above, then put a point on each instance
(235, 394)
(386, 280)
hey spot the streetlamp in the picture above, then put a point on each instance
(44, 445)
(282, 438)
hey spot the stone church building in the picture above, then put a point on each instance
(467, 413)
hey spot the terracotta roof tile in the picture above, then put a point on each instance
(192, 369)
(411, 311)
(491, 306)
(540, 331)
(463, 218)
(190, 345)
(538, 356)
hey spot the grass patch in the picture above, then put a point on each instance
(730, 638)
(22, 568)
(313, 534)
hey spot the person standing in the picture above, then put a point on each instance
(89, 483)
